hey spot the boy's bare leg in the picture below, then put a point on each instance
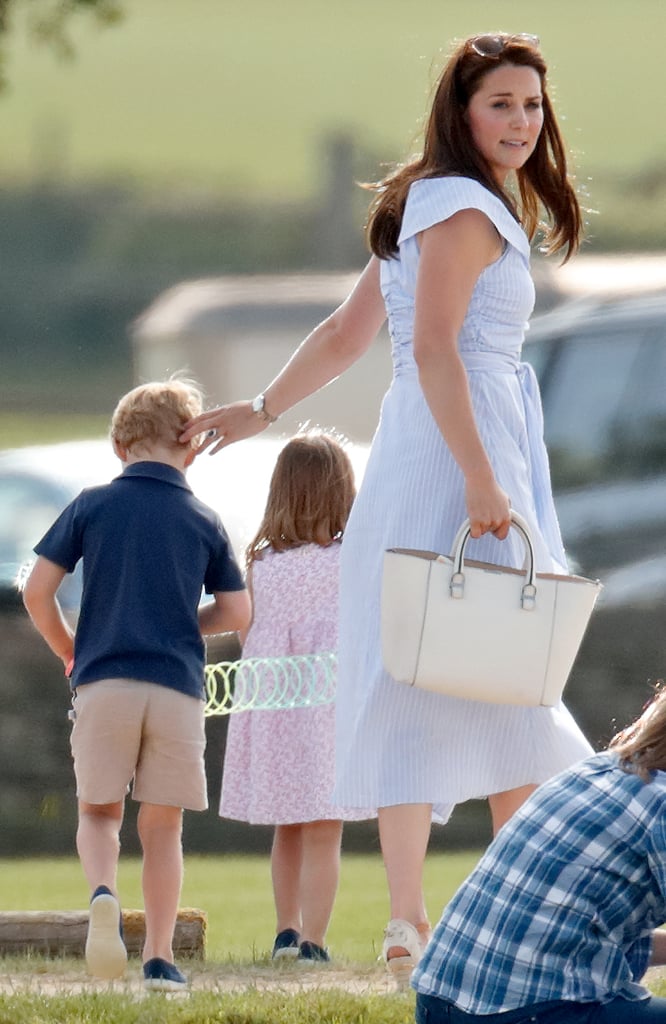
(160, 832)
(98, 842)
(320, 872)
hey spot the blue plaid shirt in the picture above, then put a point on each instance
(563, 903)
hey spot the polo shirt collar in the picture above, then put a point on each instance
(156, 471)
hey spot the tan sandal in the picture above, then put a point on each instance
(401, 935)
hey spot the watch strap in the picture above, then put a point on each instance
(260, 410)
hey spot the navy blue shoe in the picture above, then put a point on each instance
(311, 953)
(286, 944)
(161, 976)
(106, 956)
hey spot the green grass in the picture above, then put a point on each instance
(20, 429)
(320, 1007)
(235, 892)
(238, 96)
(237, 984)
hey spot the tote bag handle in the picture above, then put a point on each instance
(529, 590)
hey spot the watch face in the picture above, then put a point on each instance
(259, 408)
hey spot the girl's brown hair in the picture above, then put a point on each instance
(641, 747)
(310, 495)
(449, 150)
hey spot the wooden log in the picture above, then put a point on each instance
(63, 933)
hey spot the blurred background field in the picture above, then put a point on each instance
(183, 141)
(24, 428)
(236, 97)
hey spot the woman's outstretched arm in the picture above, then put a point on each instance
(331, 348)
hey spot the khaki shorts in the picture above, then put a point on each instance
(124, 730)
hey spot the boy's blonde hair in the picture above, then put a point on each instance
(641, 747)
(156, 413)
(310, 495)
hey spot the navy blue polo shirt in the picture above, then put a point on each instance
(148, 546)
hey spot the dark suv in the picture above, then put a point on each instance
(602, 369)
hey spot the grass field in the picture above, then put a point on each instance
(236, 894)
(237, 984)
(19, 429)
(238, 96)
(322, 1006)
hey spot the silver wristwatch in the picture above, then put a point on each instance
(259, 408)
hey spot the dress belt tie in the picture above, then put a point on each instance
(498, 362)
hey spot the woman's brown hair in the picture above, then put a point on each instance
(449, 150)
(641, 747)
(310, 495)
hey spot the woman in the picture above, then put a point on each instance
(556, 923)
(460, 435)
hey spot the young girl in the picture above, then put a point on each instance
(279, 764)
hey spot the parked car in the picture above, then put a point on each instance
(37, 482)
(35, 485)
(602, 370)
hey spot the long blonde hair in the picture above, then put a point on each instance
(641, 747)
(310, 495)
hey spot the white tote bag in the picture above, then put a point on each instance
(481, 631)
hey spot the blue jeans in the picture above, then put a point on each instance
(430, 1010)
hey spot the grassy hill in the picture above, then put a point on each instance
(194, 139)
(237, 96)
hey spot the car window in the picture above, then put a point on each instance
(643, 426)
(590, 397)
(27, 508)
(539, 353)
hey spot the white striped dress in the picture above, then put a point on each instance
(396, 744)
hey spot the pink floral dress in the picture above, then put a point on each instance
(279, 765)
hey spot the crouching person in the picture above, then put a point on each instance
(556, 925)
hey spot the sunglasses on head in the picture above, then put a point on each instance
(494, 45)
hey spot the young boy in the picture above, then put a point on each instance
(137, 659)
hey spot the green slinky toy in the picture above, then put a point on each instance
(270, 684)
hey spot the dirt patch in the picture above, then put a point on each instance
(49, 979)
(64, 979)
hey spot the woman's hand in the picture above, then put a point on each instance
(330, 349)
(488, 508)
(222, 426)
